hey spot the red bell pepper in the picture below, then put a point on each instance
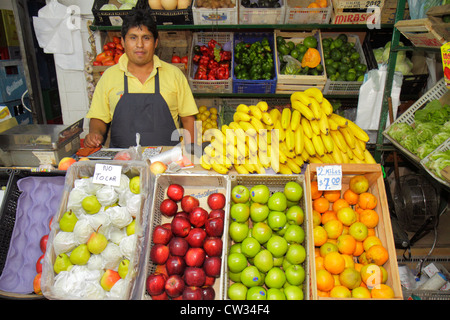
(212, 43)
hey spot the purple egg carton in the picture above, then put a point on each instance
(31, 200)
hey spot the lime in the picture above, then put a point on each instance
(345, 60)
(361, 67)
(280, 40)
(301, 48)
(326, 42)
(319, 68)
(283, 49)
(338, 43)
(336, 55)
(294, 53)
(291, 45)
(355, 56)
(331, 70)
(343, 37)
(351, 76)
(360, 78)
(310, 42)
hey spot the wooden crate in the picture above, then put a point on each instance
(356, 4)
(429, 32)
(172, 43)
(383, 230)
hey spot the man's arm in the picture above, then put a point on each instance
(188, 124)
(96, 135)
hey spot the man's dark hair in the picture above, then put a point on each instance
(138, 18)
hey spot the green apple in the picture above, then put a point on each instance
(236, 262)
(97, 243)
(276, 220)
(131, 228)
(80, 255)
(123, 268)
(90, 204)
(296, 253)
(237, 291)
(261, 232)
(263, 260)
(275, 278)
(282, 231)
(251, 276)
(295, 274)
(135, 184)
(235, 247)
(62, 263)
(275, 294)
(277, 246)
(260, 193)
(295, 215)
(238, 231)
(234, 276)
(286, 264)
(293, 292)
(278, 262)
(277, 201)
(68, 221)
(358, 230)
(240, 194)
(293, 191)
(250, 247)
(259, 212)
(256, 293)
(239, 212)
(294, 234)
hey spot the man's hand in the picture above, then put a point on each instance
(96, 135)
(93, 140)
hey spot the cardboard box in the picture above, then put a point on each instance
(12, 80)
(356, 4)
(8, 30)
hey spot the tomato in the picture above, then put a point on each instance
(111, 45)
(100, 57)
(109, 53)
(176, 59)
(105, 47)
(119, 46)
(96, 63)
(109, 63)
(117, 57)
(116, 40)
(185, 61)
(107, 58)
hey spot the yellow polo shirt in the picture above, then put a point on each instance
(173, 87)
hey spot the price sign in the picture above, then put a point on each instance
(107, 174)
(329, 177)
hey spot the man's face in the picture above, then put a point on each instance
(139, 45)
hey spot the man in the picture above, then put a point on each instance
(141, 94)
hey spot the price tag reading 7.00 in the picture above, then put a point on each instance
(329, 178)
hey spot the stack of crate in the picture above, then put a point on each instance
(357, 12)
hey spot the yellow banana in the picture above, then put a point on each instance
(368, 157)
(210, 151)
(219, 168)
(304, 109)
(285, 117)
(326, 107)
(315, 93)
(305, 155)
(339, 140)
(348, 136)
(286, 151)
(315, 160)
(264, 159)
(284, 169)
(299, 161)
(263, 106)
(327, 158)
(295, 168)
(228, 133)
(318, 145)
(259, 167)
(219, 147)
(281, 155)
(358, 132)
(341, 121)
(302, 97)
(256, 112)
(280, 131)
(332, 124)
(240, 169)
(315, 126)
(295, 119)
(238, 131)
(358, 152)
(290, 139)
(345, 157)
(252, 145)
(275, 114)
(327, 142)
(337, 156)
(357, 160)
(361, 143)
(267, 119)
(323, 123)
(241, 116)
(274, 154)
(257, 124)
(350, 153)
(306, 125)
(299, 142)
(248, 128)
(213, 133)
(243, 108)
(309, 146)
(205, 162)
(249, 166)
(315, 107)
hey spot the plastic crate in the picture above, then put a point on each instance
(254, 86)
(199, 186)
(425, 161)
(108, 17)
(169, 17)
(438, 92)
(345, 87)
(262, 15)
(218, 16)
(297, 12)
(275, 183)
(210, 86)
(12, 80)
(383, 230)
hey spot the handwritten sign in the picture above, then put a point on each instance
(107, 174)
(329, 177)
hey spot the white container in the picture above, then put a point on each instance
(434, 283)
(218, 16)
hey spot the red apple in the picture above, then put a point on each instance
(198, 217)
(159, 253)
(178, 246)
(194, 276)
(209, 281)
(214, 227)
(161, 268)
(195, 257)
(174, 286)
(192, 293)
(175, 192)
(196, 237)
(161, 235)
(212, 266)
(189, 202)
(37, 284)
(180, 226)
(155, 284)
(181, 214)
(167, 225)
(208, 293)
(217, 213)
(162, 296)
(43, 243)
(216, 201)
(175, 265)
(168, 207)
(39, 263)
(213, 246)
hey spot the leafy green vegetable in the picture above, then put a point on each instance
(426, 130)
(439, 138)
(425, 148)
(438, 162)
(434, 111)
(410, 142)
(398, 130)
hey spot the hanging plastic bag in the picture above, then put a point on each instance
(293, 66)
(418, 8)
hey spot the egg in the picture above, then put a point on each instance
(183, 4)
(169, 4)
(155, 4)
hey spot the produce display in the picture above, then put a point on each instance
(430, 129)
(403, 64)
(266, 255)
(259, 139)
(342, 60)
(349, 256)
(301, 58)
(212, 61)
(111, 53)
(254, 61)
(439, 161)
(39, 263)
(261, 4)
(215, 4)
(169, 4)
(187, 251)
(208, 118)
(124, 5)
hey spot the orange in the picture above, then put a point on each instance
(332, 195)
(373, 275)
(324, 280)
(315, 192)
(359, 249)
(334, 263)
(351, 197)
(319, 263)
(350, 278)
(358, 208)
(317, 219)
(361, 293)
(340, 203)
(367, 200)
(358, 267)
(333, 228)
(316, 251)
(313, 5)
(362, 259)
(346, 244)
(323, 294)
(322, 3)
(371, 232)
(319, 235)
(370, 241)
(349, 263)
(369, 217)
(347, 216)
(336, 280)
(382, 291)
(327, 247)
(328, 215)
(340, 292)
(321, 205)
(377, 254)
